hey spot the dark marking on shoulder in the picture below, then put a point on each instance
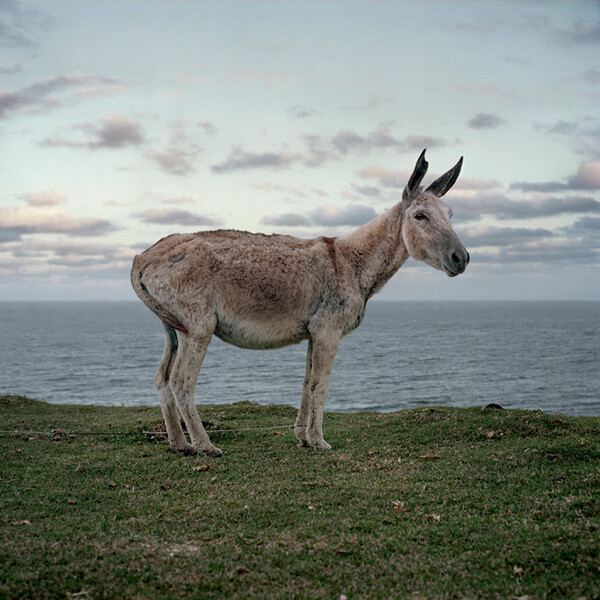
(330, 243)
(176, 259)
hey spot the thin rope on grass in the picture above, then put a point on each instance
(61, 432)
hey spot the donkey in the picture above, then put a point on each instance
(268, 291)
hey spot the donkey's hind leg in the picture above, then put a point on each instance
(302, 418)
(190, 354)
(167, 401)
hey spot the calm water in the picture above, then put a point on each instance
(520, 355)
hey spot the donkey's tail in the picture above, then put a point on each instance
(151, 302)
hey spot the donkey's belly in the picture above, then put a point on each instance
(256, 335)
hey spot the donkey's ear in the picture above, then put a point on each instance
(415, 179)
(440, 186)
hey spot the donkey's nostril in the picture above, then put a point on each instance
(455, 258)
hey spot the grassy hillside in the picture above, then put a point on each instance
(424, 503)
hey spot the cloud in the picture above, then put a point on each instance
(346, 141)
(367, 190)
(330, 216)
(580, 33)
(287, 220)
(114, 132)
(20, 27)
(586, 178)
(585, 225)
(178, 158)
(352, 214)
(478, 236)
(117, 132)
(53, 92)
(207, 127)
(167, 216)
(389, 178)
(301, 112)
(16, 221)
(583, 135)
(386, 177)
(319, 150)
(48, 198)
(485, 121)
(239, 160)
(497, 204)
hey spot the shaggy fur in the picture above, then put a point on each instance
(268, 291)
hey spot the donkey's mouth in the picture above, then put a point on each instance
(450, 272)
(454, 270)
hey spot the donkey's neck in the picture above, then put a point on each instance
(376, 250)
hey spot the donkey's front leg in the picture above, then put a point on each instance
(324, 348)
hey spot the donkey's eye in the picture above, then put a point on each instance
(421, 217)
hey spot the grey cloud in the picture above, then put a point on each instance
(501, 236)
(330, 216)
(346, 141)
(544, 186)
(21, 27)
(176, 161)
(485, 121)
(587, 177)
(352, 214)
(41, 94)
(73, 228)
(320, 150)
(48, 198)
(10, 234)
(552, 252)
(207, 127)
(386, 177)
(367, 190)
(115, 132)
(583, 135)
(585, 225)
(287, 220)
(301, 112)
(582, 32)
(240, 160)
(162, 216)
(504, 208)
(179, 156)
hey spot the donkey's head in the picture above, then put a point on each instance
(426, 229)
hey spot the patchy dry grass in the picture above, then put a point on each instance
(425, 503)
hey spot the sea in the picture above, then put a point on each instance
(525, 355)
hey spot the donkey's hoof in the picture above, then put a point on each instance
(320, 445)
(186, 449)
(213, 452)
(300, 432)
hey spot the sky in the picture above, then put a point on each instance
(122, 122)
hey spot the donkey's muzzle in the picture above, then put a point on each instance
(456, 262)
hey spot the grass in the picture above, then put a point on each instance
(424, 503)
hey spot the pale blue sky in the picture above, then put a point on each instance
(122, 122)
